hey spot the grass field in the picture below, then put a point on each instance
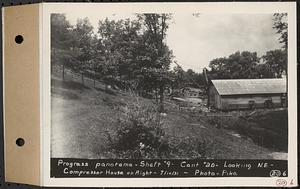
(82, 115)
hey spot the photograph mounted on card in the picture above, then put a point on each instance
(176, 94)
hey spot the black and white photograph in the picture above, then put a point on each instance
(169, 85)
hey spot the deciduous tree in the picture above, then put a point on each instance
(159, 56)
(281, 26)
(277, 61)
(239, 65)
(82, 46)
(60, 42)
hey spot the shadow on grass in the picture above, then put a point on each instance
(108, 91)
(65, 94)
(269, 129)
(68, 84)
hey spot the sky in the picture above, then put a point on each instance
(196, 40)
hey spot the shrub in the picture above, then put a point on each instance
(140, 135)
(190, 147)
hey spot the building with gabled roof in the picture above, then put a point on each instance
(234, 94)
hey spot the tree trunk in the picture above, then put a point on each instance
(156, 96)
(63, 72)
(161, 99)
(82, 78)
(208, 97)
(94, 77)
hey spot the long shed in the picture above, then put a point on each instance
(235, 94)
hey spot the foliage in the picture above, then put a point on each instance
(119, 53)
(179, 78)
(118, 47)
(60, 41)
(240, 65)
(158, 53)
(192, 148)
(129, 54)
(277, 61)
(60, 30)
(82, 47)
(265, 71)
(194, 79)
(281, 27)
(140, 134)
(132, 54)
(266, 128)
(247, 65)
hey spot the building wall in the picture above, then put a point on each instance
(237, 102)
(258, 101)
(214, 98)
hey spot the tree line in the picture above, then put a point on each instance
(247, 65)
(132, 54)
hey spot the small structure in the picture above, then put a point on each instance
(190, 92)
(235, 94)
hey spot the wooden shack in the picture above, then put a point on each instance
(190, 92)
(236, 94)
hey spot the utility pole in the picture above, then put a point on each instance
(207, 86)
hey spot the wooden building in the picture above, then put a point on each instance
(190, 92)
(235, 94)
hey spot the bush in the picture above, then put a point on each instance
(190, 147)
(140, 135)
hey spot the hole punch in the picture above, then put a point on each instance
(19, 39)
(20, 142)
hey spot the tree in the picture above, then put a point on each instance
(239, 65)
(264, 71)
(96, 58)
(193, 79)
(277, 61)
(218, 68)
(82, 46)
(158, 57)
(120, 43)
(242, 65)
(60, 42)
(179, 78)
(130, 53)
(281, 26)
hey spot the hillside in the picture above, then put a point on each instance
(88, 113)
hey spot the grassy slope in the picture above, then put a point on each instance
(80, 116)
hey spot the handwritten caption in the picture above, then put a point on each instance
(167, 168)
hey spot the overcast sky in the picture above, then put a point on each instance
(195, 41)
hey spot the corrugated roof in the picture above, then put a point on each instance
(250, 86)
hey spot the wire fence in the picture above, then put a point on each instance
(69, 75)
